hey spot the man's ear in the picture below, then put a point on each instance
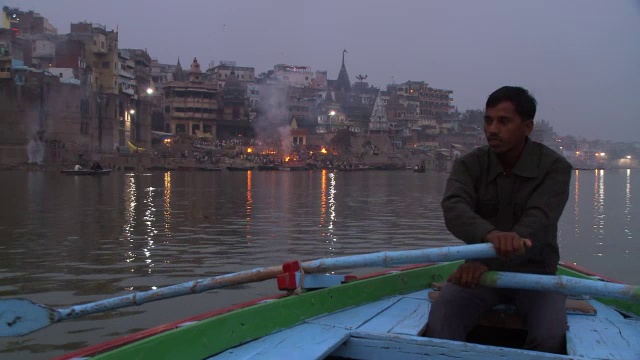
(528, 126)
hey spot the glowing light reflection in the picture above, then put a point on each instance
(328, 199)
(249, 205)
(323, 196)
(627, 206)
(129, 214)
(149, 219)
(167, 204)
(598, 226)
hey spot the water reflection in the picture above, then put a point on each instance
(248, 205)
(331, 201)
(149, 219)
(627, 207)
(576, 207)
(167, 204)
(323, 196)
(599, 215)
(129, 216)
(68, 245)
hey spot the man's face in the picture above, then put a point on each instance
(504, 129)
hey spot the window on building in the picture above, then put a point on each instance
(194, 127)
(181, 128)
(105, 64)
(167, 109)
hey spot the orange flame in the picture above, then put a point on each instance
(324, 151)
(287, 158)
(249, 150)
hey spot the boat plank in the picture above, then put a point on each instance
(405, 347)
(420, 295)
(407, 316)
(605, 336)
(353, 318)
(308, 341)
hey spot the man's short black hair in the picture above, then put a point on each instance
(524, 103)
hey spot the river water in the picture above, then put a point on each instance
(66, 240)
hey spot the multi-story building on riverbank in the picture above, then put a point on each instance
(190, 107)
(221, 72)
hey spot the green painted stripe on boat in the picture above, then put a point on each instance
(211, 336)
(625, 306)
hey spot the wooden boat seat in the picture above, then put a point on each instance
(506, 315)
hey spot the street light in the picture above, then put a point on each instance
(132, 111)
(149, 91)
(330, 126)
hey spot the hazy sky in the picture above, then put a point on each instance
(580, 58)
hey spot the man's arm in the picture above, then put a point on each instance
(458, 206)
(546, 203)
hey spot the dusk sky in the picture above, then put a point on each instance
(580, 58)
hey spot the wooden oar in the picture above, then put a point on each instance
(564, 284)
(22, 316)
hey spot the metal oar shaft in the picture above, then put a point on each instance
(192, 287)
(405, 257)
(21, 316)
(564, 284)
(381, 259)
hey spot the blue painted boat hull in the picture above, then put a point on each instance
(389, 327)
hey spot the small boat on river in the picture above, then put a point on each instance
(88, 172)
(323, 315)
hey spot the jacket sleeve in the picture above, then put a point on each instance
(458, 205)
(546, 203)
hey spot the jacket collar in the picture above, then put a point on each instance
(526, 166)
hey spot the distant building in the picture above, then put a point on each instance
(299, 76)
(415, 109)
(543, 132)
(190, 106)
(233, 106)
(7, 53)
(378, 123)
(142, 69)
(26, 22)
(221, 73)
(100, 59)
(161, 74)
(101, 55)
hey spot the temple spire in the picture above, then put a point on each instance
(343, 82)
